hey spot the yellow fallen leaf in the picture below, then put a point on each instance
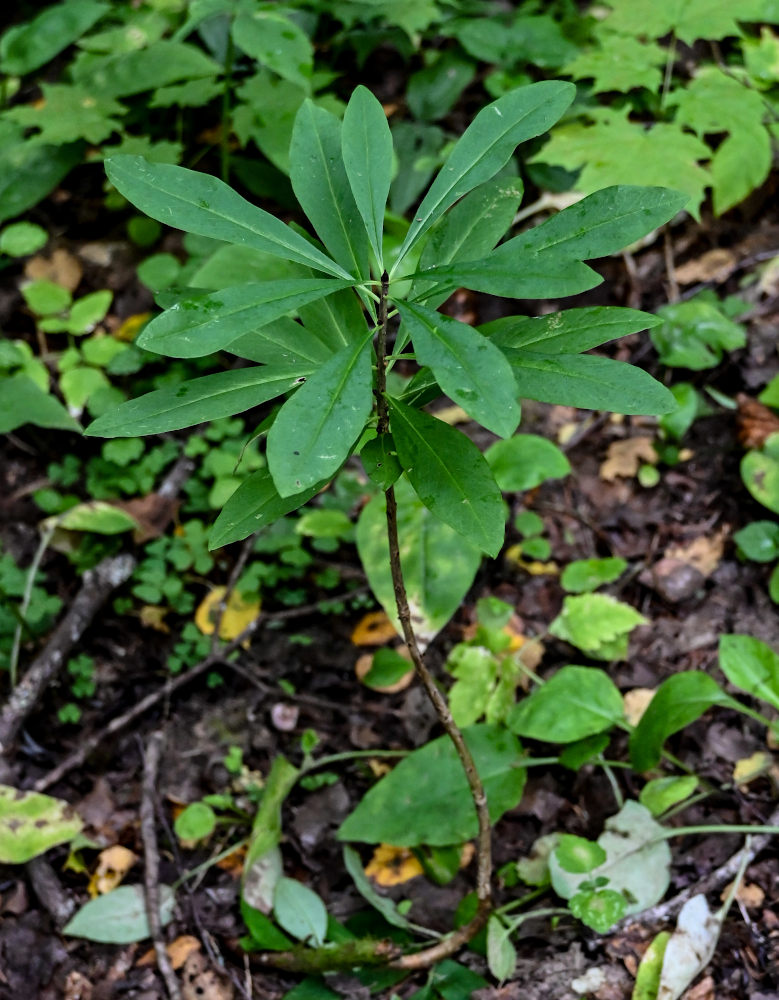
(452, 415)
(132, 326)
(749, 768)
(534, 567)
(153, 616)
(635, 702)
(624, 458)
(238, 613)
(178, 951)
(392, 866)
(373, 629)
(112, 865)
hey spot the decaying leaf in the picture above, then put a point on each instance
(636, 702)
(749, 768)
(452, 415)
(132, 326)
(373, 629)
(747, 893)
(31, 823)
(703, 553)
(153, 616)
(201, 982)
(178, 951)
(392, 866)
(715, 265)
(755, 422)
(112, 865)
(625, 457)
(238, 614)
(153, 513)
(690, 947)
(62, 268)
(513, 557)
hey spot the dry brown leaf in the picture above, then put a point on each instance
(153, 513)
(178, 951)
(373, 629)
(62, 268)
(625, 457)
(392, 866)
(77, 987)
(531, 654)
(704, 552)
(715, 265)
(452, 415)
(748, 894)
(200, 982)
(112, 865)
(704, 990)
(635, 702)
(755, 422)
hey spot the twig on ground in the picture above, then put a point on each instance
(221, 607)
(48, 889)
(97, 586)
(151, 874)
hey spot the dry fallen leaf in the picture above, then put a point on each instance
(755, 422)
(513, 557)
(238, 614)
(452, 415)
(77, 987)
(635, 702)
(199, 982)
(62, 268)
(748, 894)
(715, 265)
(373, 629)
(178, 951)
(112, 865)
(749, 768)
(153, 514)
(153, 616)
(131, 327)
(625, 457)
(704, 553)
(392, 866)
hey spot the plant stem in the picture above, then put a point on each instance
(224, 139)
(484, 851)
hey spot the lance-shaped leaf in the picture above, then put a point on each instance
(313, 432)
(449, 475)
(486, 145)
(321, 186)
(366, 143)
(202, 324)
(569, 332)
(255, 505)
(469, 368)
(202, 204)
(337, 320)
(196, 401)
(282, 342)
(600, 224)
(590, 382)
(532, 276)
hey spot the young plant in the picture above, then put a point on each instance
(358, 314)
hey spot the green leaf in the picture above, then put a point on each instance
(585, 575)
(680, 700)
(26, 47)
(750, 665)
(426, 799)
(662, 793)
(525, 461)
(281, 342)
(759, 541)
(28, 172)
(467, 366)
(263, 864)
(336, 320)
(254, 505)
(387, 668)
(501, 953)
(620, 63)
(589, 382)
(650, 967)
(96, 515)
(119, 917)
(366, 144)
(760, 473)
(741, 163)
(68, 112)
(476, 670)
(577, 854)
(201, 204)
(385, 906)
(487, 144)
(450, 476)
(31, 824)
(576, 702)
(203, 324)
(433, 90)
(196, 822)
(438, 564)
(694, 334)
(22, 238)
(380, 461)
(569, 332)
(162, 62)
(678, 421)
(299, 911)
(598, 909)
(277, 42)
(22, 402)
(197, 401)
(694, 19)
(598, 624)
(322, 187)
(314, 430)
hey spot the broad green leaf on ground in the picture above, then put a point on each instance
(255, 505)
(99, 516)
(277, 42)
(637, 863)
(608, 148)
(695, 334)
(282, 342)
(469, 368)
(575, 702)
(714, 101)
(476, 670)
(438, 564)
(487, 144)
(759, 540)
(119, 916)
(31, 824)
(760, 472)
(680, 700)
(121, 74)
(741, 163)
(366, 144)
(600, 224)
(450, 475)
(691, 20)
(620, 63)
(314, 430)
(202, 204)
(26, 47)
(569, 332)
(589, 382)
(28, 172)
(204, 324)
(23, 402)
(577, 854)
(660, 794)
(426, 800)
(66, 113)
(598, 624)
(501, 953)
(197, 401)
(751, 666)
(531, 276)
(300, 912)
(525, 461)
(585, 575)
(321, 186)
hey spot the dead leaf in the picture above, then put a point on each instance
(153, 616)
(232, 863)
(703, 553)
(452, 415)
(513, 556)
(769, 278)
(62, 268)
(178, 951)
(77, 987)
(749, 768)
(689, 949)
(200, 982)
(112, 865)
(530, 655)
(748, 894)
(238, 614)
(704, 990)
(635, 702)
(131, 327)
(755, 422)
(715, 265)
(153, 513)
(625, 457)
(373, 629)
(392, 866)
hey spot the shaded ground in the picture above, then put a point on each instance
(298, 674)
